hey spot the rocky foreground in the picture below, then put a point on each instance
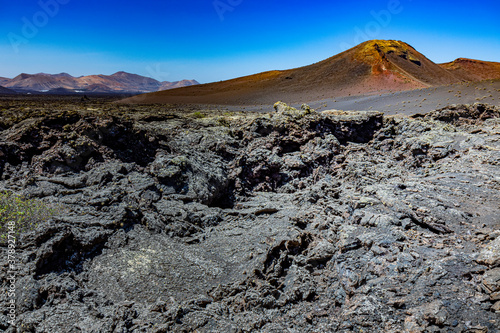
(291, 221)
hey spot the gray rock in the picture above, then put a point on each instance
(490, 255)
(491, 281)
(293, 220)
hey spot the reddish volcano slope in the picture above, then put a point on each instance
(473, 70)
(372, 67)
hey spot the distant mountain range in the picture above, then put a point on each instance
(373, 67)
(120, 82)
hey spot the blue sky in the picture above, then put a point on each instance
(212, 40)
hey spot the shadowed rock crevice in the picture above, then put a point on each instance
(70, 142)
(296, 144)
(65, 253)
(465, 114)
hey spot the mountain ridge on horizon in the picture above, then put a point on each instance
(119, 82)
(372, 67)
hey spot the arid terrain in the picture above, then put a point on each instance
(215, 208)
(402, 102)
(191, 218)
(370, 69)
(419, 100)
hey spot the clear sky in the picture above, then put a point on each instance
(212, 40)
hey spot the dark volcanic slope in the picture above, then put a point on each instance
(373, 66)
(4, 90)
